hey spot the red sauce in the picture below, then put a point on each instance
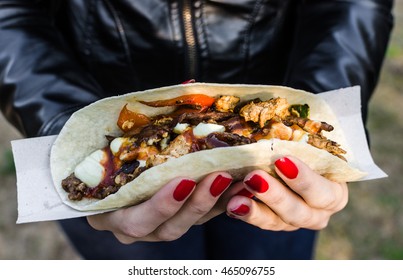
(111, 164)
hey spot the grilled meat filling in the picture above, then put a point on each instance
(226, 123)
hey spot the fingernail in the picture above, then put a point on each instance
(257, 183)
(241, 210)
(287, 167)
(246, 193)
(219, 185)
(183, 189)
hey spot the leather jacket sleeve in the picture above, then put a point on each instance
(337, 43)
(40, 82)
(340, 43)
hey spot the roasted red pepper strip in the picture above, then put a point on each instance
(129, 120)
(197, 100)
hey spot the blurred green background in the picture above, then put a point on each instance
(371, 226)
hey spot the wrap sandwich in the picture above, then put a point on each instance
(121, 150)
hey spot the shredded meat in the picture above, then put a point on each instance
(210, 116)
(322, 142)
(264, 111)
(155, 160)
(152, 134)
(216, 139)
(244, 123)
(74, 187)
(238, 126)
(178, 147)
(135, 151)
(226, 103)
(313, 127)
(101, 193)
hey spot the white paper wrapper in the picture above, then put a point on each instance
(39, 201)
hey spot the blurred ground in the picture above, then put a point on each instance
(371, 226)
(41, 240)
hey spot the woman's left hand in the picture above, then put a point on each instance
(306, 200)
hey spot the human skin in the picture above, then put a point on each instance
(304, 199)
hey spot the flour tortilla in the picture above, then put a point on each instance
(85, 132)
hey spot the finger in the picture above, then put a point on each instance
(282, 201)
(198, 205)
(257, 214)
(220, 207)
(315, 189)
(289, 206)
(136, 222)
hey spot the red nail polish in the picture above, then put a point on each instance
(219, 185)
(241, 210)
(246, 193)
(287, 167)
(257, 183)
(183, 189)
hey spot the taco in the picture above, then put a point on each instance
(121, 150)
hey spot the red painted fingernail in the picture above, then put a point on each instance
(189, 81)
(241, 210)
(183, 189)
(219, 185)
(246, 193)
(287, 167)
(257, 183)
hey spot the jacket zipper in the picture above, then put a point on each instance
(190, 39)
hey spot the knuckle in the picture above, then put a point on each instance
(164, 210)
(322, 224)
(340, 198)
(127, 229)
(168, 233)
(278, 198)
(329, 202)
(199, 209)
(304, 219)
(124, 239)
(271, 225)
(344, 199)
(94, 222)
(341, 205)
(336, 202)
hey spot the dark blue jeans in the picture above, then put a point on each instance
(220, 238)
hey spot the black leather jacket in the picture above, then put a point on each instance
(57, 56)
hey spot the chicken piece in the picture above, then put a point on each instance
(134, 152)
(280, 131)
(264, 111)
(311, 126)
(226, 103)
(155, 160)
(323, 143)
(178, 147)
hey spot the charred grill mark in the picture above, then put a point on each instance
(313, 127)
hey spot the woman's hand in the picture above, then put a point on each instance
(168, 214)
(308, 200)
